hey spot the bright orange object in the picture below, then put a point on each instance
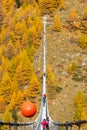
(28, 109)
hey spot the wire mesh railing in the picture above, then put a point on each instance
(17, 126)
(75, 125)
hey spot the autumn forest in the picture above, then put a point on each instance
(21, 34)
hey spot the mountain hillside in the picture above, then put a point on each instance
(62, 50)
(21, 58)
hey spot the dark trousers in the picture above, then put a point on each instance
(47, 127)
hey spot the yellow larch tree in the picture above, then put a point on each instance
(38, 26)
(30, 52)
(21, 33)
(33, 89)
(1, 14)
(14, 62)
(51, 82)
(3, 35)
(7, 5)
(7, 118)
(1, 72)
(14, 85)
(56, 3)
(80, 107)
(18, 31)
(33, 36)
(73, 17)
(46, 6)
(29, 22)
(17, 47)
(19, 99)
(85, 13)
(5, 64)
(12, 102)
(10, 109)
(24, 41)
(7, 115)
(5, 88)
(62, 5)
(2, 104)
(9, 50)
(24, 70)
(57, 26)
(83, 40)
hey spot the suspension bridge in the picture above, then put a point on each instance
(44, 112)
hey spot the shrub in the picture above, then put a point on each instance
(83, 40)
(58, 89)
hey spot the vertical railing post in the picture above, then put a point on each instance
(67, 125)
(15, 127)
(9, 127)
(78, 126)
(70, 127)
(21, 127)
(26, 127)
(32, 127)
(59, 127)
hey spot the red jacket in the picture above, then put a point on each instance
(44, 123)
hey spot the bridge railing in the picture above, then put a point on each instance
(17, 126)
(75, 125)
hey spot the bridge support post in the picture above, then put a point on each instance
(32, 127)
(26, 127)
(15, 127)
(71, 127)
(67, 127)
(78, 126)
(9, 127)
(58, 127)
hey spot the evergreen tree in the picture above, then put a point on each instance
(18, 3)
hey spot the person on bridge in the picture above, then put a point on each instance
(44, 100)
(44, 124)
(47, 126)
